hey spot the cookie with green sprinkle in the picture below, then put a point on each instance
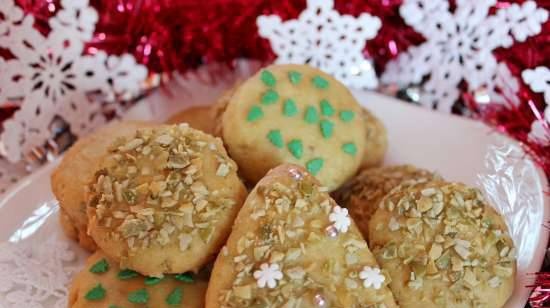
(294, 114)
(103, 284)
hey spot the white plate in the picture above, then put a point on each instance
(457, 148)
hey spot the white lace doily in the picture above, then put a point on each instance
(459, 47)
(50, 77)
(538, 80)
(325, 39)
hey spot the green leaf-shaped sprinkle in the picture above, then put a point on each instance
(346, 115)
(185, 277)
(151, 281)
(100, 267)
(289, 108)
(311, 116)
(275, 138)
(270, 97)
(96, 293)
(126, 274)
(326, 108)
(296, 148)
(295, 77)
(327, 128)
(320, 82)
(138, 297)
(349, 148)
(314, 165)
(267, 78)
(255, 113)
(175, 297)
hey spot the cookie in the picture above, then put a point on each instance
(73, 232)
(294, 114)
(218, 108)
(444, 246)
(199, 117)
(164, 200)
(77, 169)
(292, 246)
(103, 284)
(377, 140)
(363, 193)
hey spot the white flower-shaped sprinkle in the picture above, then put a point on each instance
(268, 274)
(371, 277)
(340, 219)
(538, 80)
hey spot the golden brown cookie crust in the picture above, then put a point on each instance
(444, 246)
(284, 222)
(76, 170)
(377, 141)
(164, 200)
(118, 291)
(295, 114)
(198, 117)
(363, 193)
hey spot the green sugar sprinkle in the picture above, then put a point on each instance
(275, 138)
(151, 281)
(314, 165)
(175, 297)
(270, 97)
(346, 115)
(100, 267)
(185, 277)
(96, 293)
(349, 148)
(289, 108)
(296, 148)
(127, 274)
(138, 297)
(311, 116)
(295, 77)
(320, 82)
(327, 128)
(255, 113)
(268, 78)
(326, 108)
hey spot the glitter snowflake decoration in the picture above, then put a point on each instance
(325, 39)
(50, 77)
(340, 219)
(268, 275)
(372, 278)
(459, 47)
(538, 80)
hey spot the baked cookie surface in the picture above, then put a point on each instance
(377, 140)
(103, 284)
(363, 193)
(164, 200)
(198, 117)
(444, 246)
(77, 169)
(292, 246)
(295, 114)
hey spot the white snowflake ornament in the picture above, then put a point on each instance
(50, 77)
(538, 80)
(459, 46)
(372, 278)
(268, 275)
(323, 38)
(340, 219)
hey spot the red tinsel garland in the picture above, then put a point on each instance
(179, 35)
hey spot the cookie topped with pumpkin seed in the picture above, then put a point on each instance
(293, 246)
(103, 284)
(164, 200)
(295, 114)
(444, 246)
(363, 193)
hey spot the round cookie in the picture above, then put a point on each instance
(102, 284)
(164, 200)
(376, 142)
(218, 108)
(292, 246)
(77, 169)
(295, 114)
(363, 193)
(198, 117)
(444, 246)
